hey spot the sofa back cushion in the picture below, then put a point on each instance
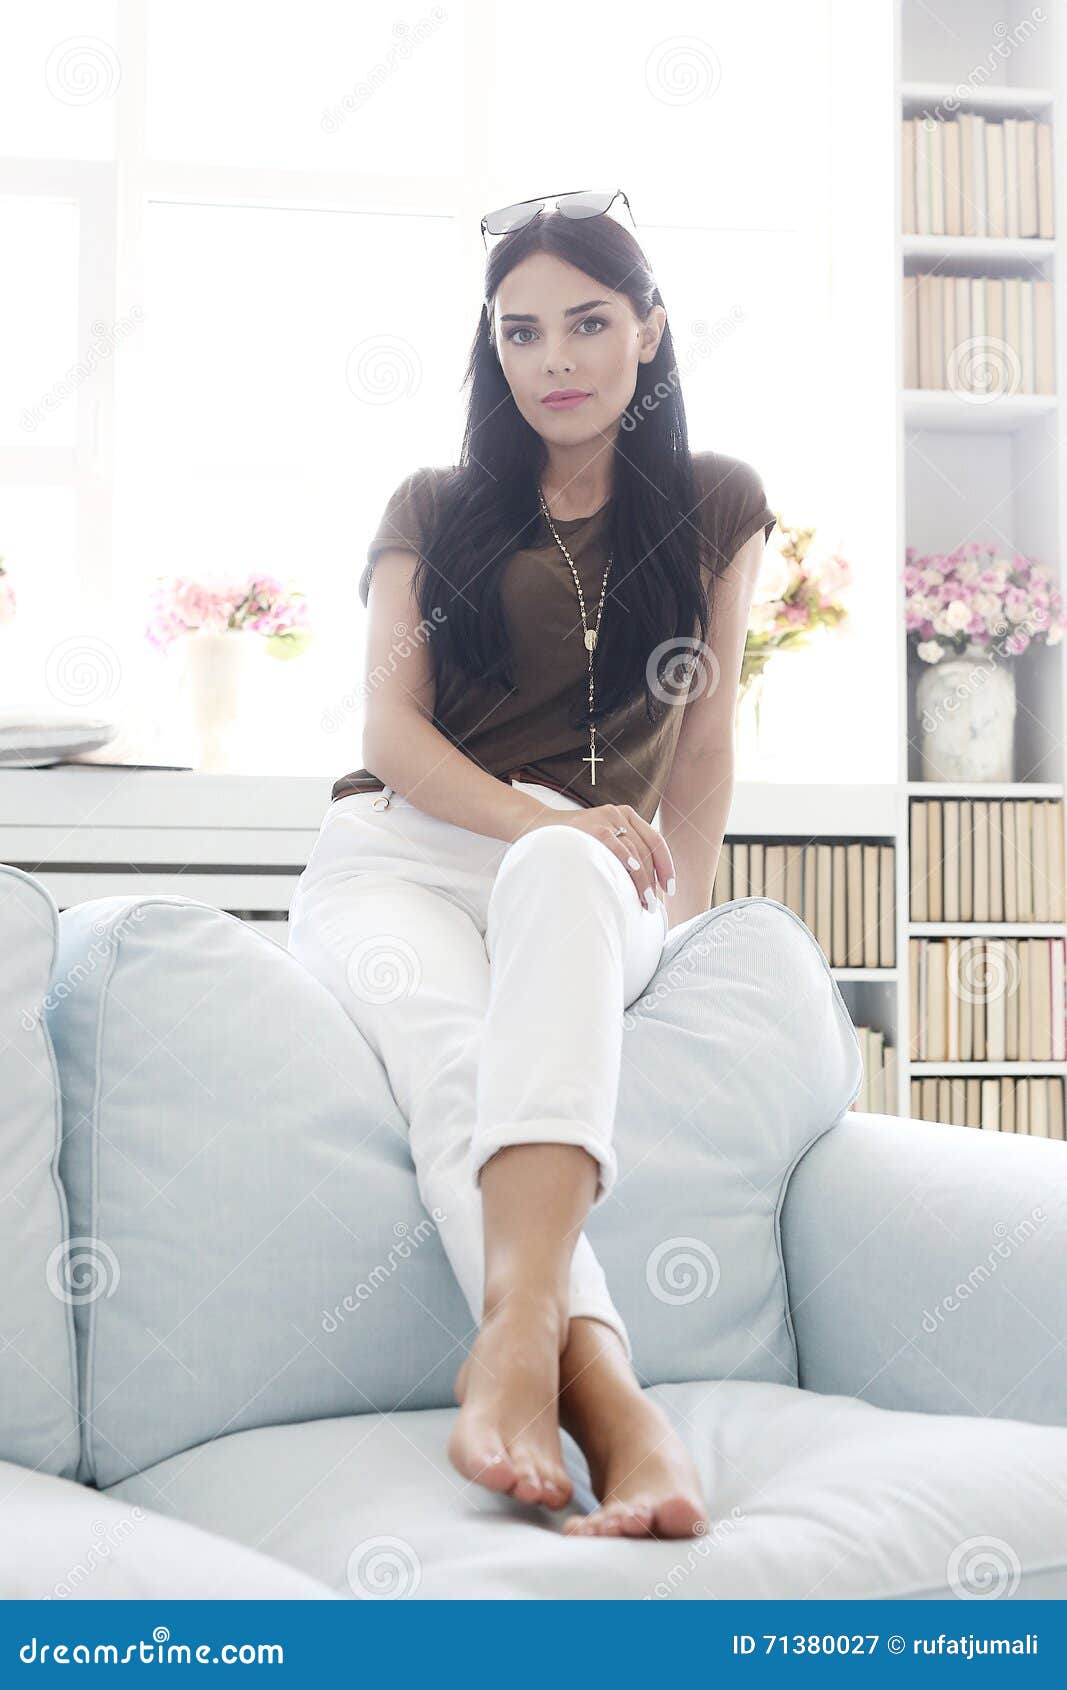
(233, 1142)
(41, 1275)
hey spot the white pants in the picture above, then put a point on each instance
(490, 979)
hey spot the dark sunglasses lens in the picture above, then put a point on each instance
(511, 217)
(584, 205)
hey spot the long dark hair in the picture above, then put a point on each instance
(488, 507)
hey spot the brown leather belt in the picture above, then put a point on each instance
(524, 772)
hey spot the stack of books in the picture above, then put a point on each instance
(878, 1093)
(1000, 1104)
(976, 999)
(985, 335)
(977, 859)
(974, 175)
(843, 892)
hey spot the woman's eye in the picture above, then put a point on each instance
(513, 334)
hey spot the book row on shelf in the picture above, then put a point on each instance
(842, 891)
(974, 175)
(986, 859)
(1000, 1103)
(978, 334)
(878, 1093)
(980, 999)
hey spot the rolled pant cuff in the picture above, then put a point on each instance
(590, 1310)
(549, 1131)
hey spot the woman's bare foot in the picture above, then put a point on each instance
(644, 1476)
(506, 1435)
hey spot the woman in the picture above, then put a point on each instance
(544, 671)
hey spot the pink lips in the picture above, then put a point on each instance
(565, 403)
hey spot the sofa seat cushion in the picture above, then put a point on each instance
(65, 1542)
(232, 1140)
(42, 1273)
(809, 1496)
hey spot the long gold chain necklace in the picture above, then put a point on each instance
(590, 634)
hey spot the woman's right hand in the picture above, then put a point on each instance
(643, 852)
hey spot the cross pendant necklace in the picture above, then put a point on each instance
(593, 757)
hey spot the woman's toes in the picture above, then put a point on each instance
(679, 1516)
(528, 1484)
(637, 1517)
(558, 1489)
(481, 1459)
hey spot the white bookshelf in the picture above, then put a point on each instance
(995, 471)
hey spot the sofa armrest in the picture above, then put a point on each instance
(926, 1267)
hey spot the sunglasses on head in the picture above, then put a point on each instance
(577, 203)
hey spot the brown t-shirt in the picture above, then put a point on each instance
(528, 730)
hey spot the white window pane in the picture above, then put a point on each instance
(292, 367)
(326, 86)
(38, 541)
(38, 322)
(706, 113)
(59, 77)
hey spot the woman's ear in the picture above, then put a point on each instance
(652, 333)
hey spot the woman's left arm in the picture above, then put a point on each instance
(695, 802)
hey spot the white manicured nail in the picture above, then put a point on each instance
(670, 886)
(650, 898)
(634, 862)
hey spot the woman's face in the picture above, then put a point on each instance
(546, 345)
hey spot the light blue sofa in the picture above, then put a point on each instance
(229, 1332)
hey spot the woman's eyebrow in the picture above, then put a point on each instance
(571, 311)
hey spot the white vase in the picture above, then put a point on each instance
(966, 710)
(214, 681)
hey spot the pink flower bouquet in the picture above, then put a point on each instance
(259, 605)
(979, 597)
(795, 597)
